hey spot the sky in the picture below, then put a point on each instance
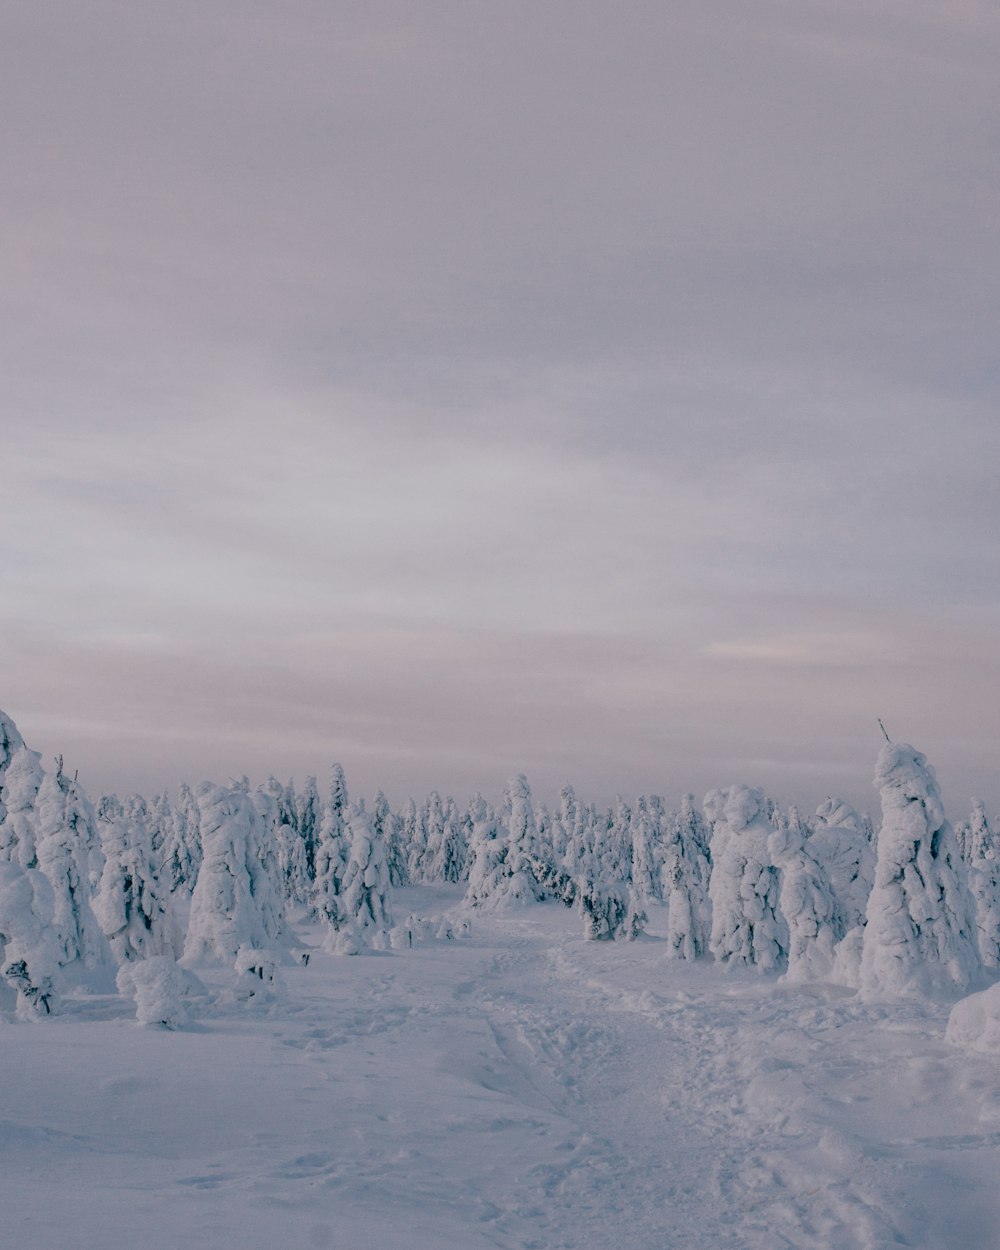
(607, 392)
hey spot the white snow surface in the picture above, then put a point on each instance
(521, 1089)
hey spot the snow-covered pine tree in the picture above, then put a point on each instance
(644, 835)
(18, 829)
(331, 850)
(66, 835)
(410, 833)
(519, 883)
(487, 853)
(435, 856)
(389, 825)
(309, 816)
(128, 905)
(10, 743)
(605, 909)
(920, 930)
(747, 926)
(806, 900)
(290, 847)
(685, 876)
(28, 958)
(366, 894)
(181, 848)
(563, 823)
(983, 864)
(237, 898)
(841, 842)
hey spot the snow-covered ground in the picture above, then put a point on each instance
(515, 1088)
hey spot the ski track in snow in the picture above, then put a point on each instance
(522, 1090)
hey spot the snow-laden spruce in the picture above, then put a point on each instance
(806, 900)
(67, 854)
(983, 864)
(10, 743)
(842, 843)
(129, 904)
(920, 926)
(157, 985)
(29, 965)
(236, 900)
(365, 910)
(747, 925)
(684, 875)
(331, 850)
(19, 826)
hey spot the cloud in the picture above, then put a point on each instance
(636, 372)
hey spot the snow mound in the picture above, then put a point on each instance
(974, 1023)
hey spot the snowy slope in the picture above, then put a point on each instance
(518, 1088)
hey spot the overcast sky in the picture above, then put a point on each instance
(602, 391)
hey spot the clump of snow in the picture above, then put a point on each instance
(974, 1022)
(158, 986)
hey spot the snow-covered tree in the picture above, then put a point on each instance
(806, 900)
(842, 843)
(28, 956)
(10, 743)
(487, 853)
(18, 828)
(129, 905)
(920, 930)
(519, 882)
(983, 862)
(66, 835)
(180, 850)
(332, 850)
(747, 926)
(236, 900)
(685, 876)
(309, 815)
(604, 906)
(157, 985)
(446, 849)
(645, 835)
(366, 895)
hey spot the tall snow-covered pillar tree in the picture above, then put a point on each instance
(920, 932)
(237, 897)
(366, 895)
(684, 876)
(747, 925)
(66, 842)
(331, 850)
(983, 859)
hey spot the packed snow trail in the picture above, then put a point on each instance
(517, 1090)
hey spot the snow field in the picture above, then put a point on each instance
(518, 1088)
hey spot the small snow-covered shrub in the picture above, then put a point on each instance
(158, 986)
(604, 908)
(974, 1022)
(435, 928)
(257, 974)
